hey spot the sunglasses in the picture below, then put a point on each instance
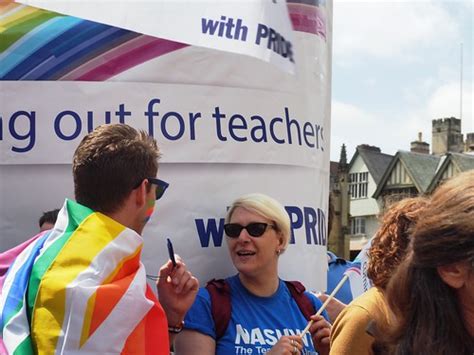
(161, 186)
(256, 229)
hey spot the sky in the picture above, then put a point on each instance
(396, 67)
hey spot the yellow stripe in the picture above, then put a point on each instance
(27, 11)
(88, 319)
(88, 240)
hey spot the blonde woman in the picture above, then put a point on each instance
(263, 316)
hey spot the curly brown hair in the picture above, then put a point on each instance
(391, 241)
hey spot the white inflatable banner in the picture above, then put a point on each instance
(227, 125)
(261, 29)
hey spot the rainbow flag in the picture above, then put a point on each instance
(38, 44)
(81, 288)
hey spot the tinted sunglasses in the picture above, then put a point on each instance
(256, 229)
(161, 186)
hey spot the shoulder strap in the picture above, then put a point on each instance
(221, 308)
(297, 289)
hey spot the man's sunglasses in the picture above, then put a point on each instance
(256, 229)
(161, 186)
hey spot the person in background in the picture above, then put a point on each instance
(336, 268)
(48, 219)
(352, 330)
(432, 293)
(264, 316)
(81, 287)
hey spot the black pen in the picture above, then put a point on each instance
(171, 252)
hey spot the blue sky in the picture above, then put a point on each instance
(396, 66)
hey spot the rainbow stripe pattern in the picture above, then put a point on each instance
(43, 45)
(37, 44)
(81, 288)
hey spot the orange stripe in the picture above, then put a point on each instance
(110, 293)
(150, 336)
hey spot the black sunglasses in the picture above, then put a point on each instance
(161, 186)
(256, 229)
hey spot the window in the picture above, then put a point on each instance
(358, 225)
(358, 184)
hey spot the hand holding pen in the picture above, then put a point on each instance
(177, 287)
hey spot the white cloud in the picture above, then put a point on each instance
(445, 102)
(390, 29)
(351, 125)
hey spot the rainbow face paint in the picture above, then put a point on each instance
(149, 210)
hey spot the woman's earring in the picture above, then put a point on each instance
(278, 251)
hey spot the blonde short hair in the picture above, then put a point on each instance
(266, 207)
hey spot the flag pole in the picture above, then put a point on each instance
(460, 86)
(320, 310)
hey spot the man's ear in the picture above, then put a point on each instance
(454, 275)
(140, 194)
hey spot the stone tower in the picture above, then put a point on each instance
(338, 241)
(447, 136)
(469, 142)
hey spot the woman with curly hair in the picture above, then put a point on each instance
(432, 293)
(353, 328)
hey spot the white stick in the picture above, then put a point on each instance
(339, 285)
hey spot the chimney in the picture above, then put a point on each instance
(419, 146)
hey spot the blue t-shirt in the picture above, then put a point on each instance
(256, 323)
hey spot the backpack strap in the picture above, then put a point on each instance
(221, 308)
(297, 289)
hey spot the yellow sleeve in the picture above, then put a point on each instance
(348, 336)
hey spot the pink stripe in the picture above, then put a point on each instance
(128, 46)
(353, 269)
(129, 59)
(308, 18)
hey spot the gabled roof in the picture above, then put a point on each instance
(462, 161)
(420, 167)
(376, 161)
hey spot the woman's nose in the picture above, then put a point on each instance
(244, 235)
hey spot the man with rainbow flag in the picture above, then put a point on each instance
(80, 287)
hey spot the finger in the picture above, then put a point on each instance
(317, 318)
(182, 281)
(296, 341)
(326, 340)
(323, 333)
(164, 272)
(322, 337)
(319, 326)
(192, 285)
(177, 273)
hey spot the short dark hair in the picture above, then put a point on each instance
(49, 217)
(110, 162)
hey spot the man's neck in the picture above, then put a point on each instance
(126, 218)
